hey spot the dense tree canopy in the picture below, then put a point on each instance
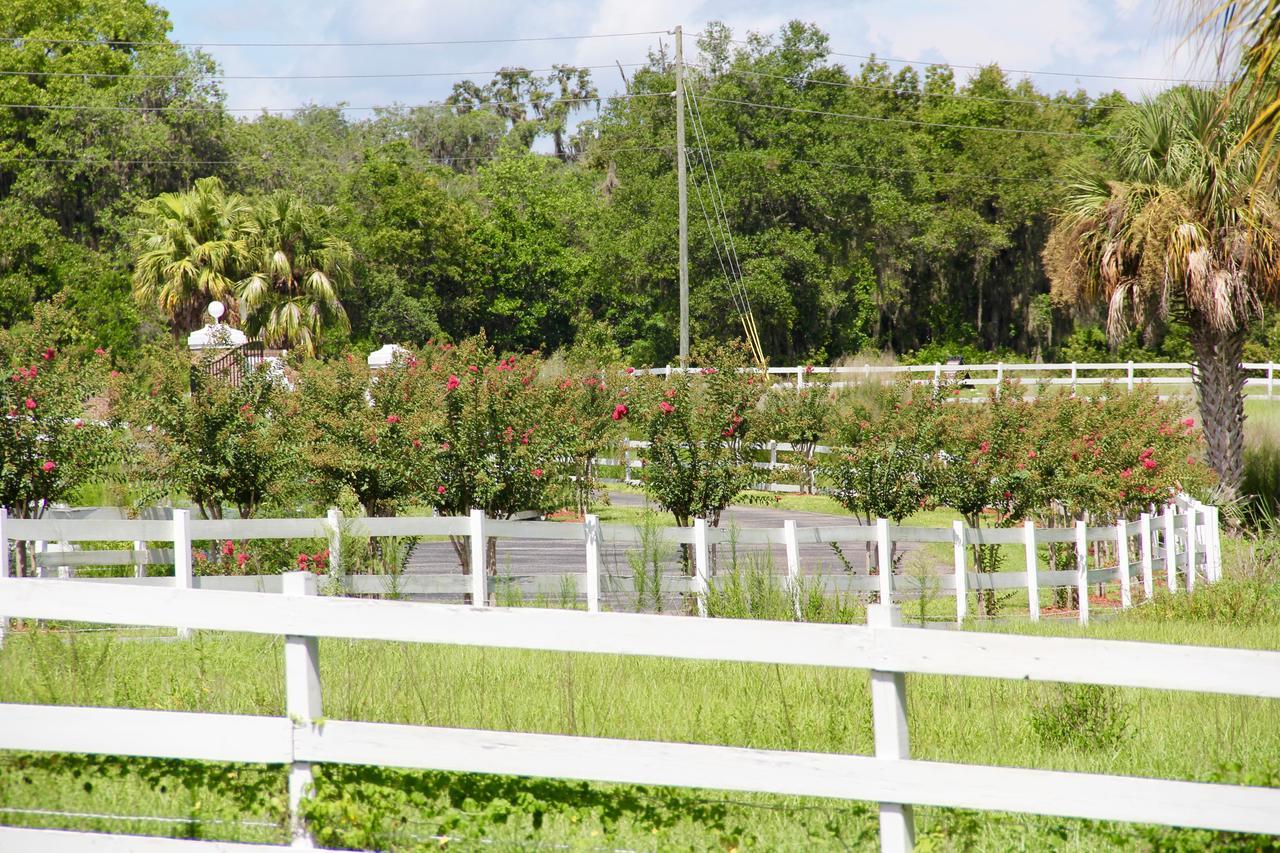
(870, 208)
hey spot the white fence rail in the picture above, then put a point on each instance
(1127, 373)
(1182, 542)
(888, 650)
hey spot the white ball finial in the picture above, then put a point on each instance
(216, 310)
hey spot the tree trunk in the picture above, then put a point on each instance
(1219, 381)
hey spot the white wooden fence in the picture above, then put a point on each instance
(1183, 542)
(303, 738)
(1172, 374)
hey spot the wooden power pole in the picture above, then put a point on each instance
(682, 182)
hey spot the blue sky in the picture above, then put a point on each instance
(1134, 38)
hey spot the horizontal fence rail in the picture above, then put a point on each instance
(883, 646)
(1182, 542)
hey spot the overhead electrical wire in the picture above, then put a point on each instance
(108, 161)
(95, 75)
(439, 105)
(913, 122)
(312, 44)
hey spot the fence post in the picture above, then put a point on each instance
(591, 532)
(182, 575)
(773, 454)
(4, 565)
(1190, 515)
(1215, 541)
(1170, 549)
(799, 378)
(999, 377)
(792, 546)
(1033, 575)
(1148, 588)
(884, 554)
(1122, 562)
(301, 698)
(937, 376)
(1271, 380)
(1073, 377)
(1082, 569)
(958, 537)
(889, 724)
(626, 461)
(1130, 375)
(140, 567)
(701, 564)
(479, 559)
(335, 543)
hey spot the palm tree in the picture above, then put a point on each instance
(1178, 227)
(188, 250)
(294, 272)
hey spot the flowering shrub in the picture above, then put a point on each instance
(590, 415)
(53, 437)
(222, 444)
(359, 433)
(699, 428)
(801, 417)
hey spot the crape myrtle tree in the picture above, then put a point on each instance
(699, 426)
(493, 437)
(223, 444)
(1178, 226)
(53, 437)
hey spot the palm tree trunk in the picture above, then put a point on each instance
(1219, 382)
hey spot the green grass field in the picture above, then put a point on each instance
(1138, 732)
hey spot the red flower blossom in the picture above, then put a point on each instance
(444, 446)
(666, 407)
(417, 445)
(452, 383)
(537, 472)
(393, 419)
(241, 559)
(228, 548)
(707, 371)
(1148, 463)
(620, 412)
(99, 351)
(48, 465)
(630, 370)
(671, 392)
(1126, 473)
(31, 404)
(985, 447)
(1189, 422)
(48, 354)
(303, 559)
(1031, 454)
(471, 368)
(440, 490)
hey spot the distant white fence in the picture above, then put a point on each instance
(303, 736)
(1183, 542)
(1072, 374)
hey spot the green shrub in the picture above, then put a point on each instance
(1083, 717)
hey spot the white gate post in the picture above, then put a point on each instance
(182, 574)
(591, 533)
(302, 699)
(1148, 586)
(1190, 515)
(335, 543)
(1122, 562)
(884, 548)
(962, 593)
(1033, 576)
(4, 565)
(1170, 549)
(889, 723)
(792, 546)
(701, 564)
(479, 559)
(1082, 569)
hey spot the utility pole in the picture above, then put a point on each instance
(682, 182)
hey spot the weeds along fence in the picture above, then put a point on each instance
(1171, 374)
(303, 736)
(1182, 544)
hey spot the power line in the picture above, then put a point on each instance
(395, 75)
(105, 42)
(444, 161)
(898, 90)
(914, 122)
(897, 170)
(340, 107)
(934, 63)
